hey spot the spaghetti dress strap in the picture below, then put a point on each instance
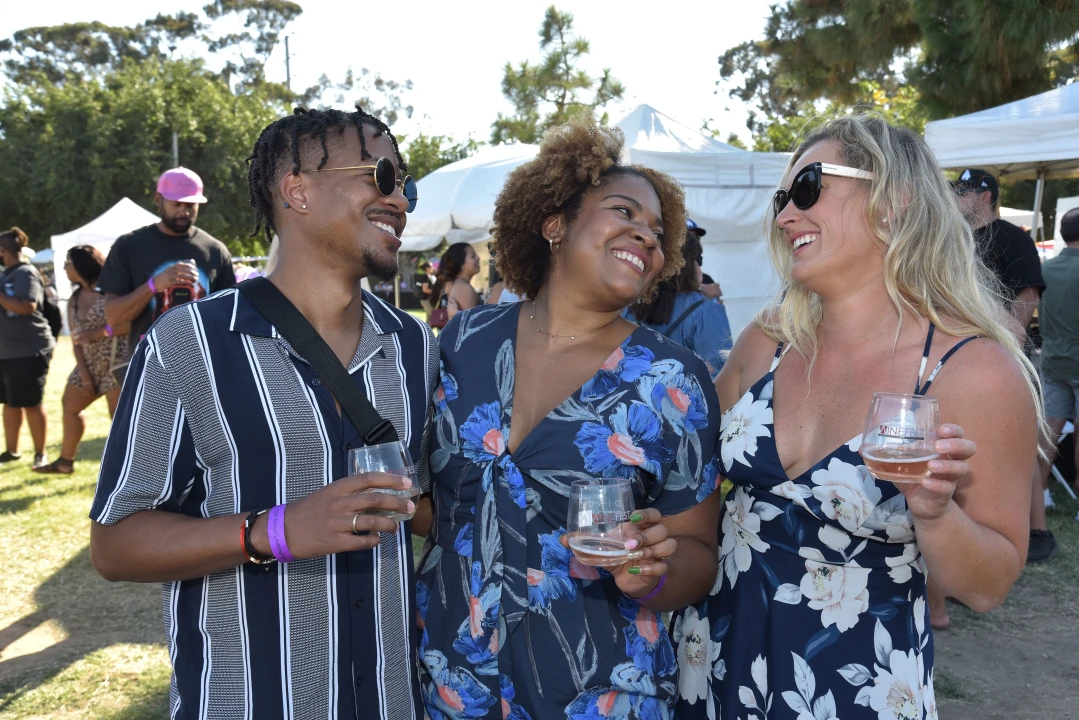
(919, 388)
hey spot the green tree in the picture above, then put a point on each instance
(782, 134)
(57, 53)
(88, 113)
(959, 56)
(556, 89)
(71, 150)
(427, 153)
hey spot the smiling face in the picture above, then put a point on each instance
(612, 247)
(831, 242)
(346, 215)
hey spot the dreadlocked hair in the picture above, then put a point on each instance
(281, 145)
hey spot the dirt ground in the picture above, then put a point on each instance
(1021, 660)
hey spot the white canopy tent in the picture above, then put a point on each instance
(1037, 137)
(728, 193)
(101, 232)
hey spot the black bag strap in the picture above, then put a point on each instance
(683, 316)
(306, 341)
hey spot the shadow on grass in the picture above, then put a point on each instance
(155, 705)
(31, 487)
(94, 615)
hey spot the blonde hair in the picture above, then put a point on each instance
(931, 267)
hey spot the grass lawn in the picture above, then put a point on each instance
(75, 646)
(71, 644)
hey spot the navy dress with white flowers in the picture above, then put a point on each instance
(512, 625)
(819, 608)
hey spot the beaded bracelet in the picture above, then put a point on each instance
(246, 547)
(655, 591)
(277, 535)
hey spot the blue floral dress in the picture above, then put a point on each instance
(512, 625)
(819, 608)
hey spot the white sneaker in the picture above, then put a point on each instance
(1049, 500)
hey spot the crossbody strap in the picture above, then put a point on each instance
(682, 318)
(306, 341)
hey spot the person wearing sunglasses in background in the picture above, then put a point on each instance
(306, 610)
(819, 608)
(513, 625)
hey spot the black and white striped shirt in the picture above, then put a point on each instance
(219, 416)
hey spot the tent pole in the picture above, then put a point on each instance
(1039, 191)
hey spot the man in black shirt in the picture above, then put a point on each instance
(1008, 251)
(1013, 257)
(165, 264)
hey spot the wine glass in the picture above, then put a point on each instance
(598, 521)
(391, 458)
(900, 437)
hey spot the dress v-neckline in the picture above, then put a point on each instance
(770, 377)
(513, 384)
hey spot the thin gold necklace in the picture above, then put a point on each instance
(571, 337)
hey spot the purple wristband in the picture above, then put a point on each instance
(276, 531)
(153, 289)
(649, 596)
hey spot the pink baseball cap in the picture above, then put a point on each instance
(181, 185)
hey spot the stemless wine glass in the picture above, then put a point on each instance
(598, 521)
(900, 437)
(391, 458)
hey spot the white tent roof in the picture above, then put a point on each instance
(646, 128)
(728, 193)
(101, 232)
(1019, 139)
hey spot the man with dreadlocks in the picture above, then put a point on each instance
(287, 592)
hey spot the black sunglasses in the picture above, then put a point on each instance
(386, 181)
(805, 189)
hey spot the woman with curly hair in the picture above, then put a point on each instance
(558, 388)
(681, 312)
(819, 608)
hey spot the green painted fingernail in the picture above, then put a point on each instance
(636, 517)
(634, 571)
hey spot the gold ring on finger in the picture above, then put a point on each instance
(635, 554)
(354, 519)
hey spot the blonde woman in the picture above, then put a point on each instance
(819, 608)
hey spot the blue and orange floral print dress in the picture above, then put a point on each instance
(513, 626)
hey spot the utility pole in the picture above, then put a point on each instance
(288, 70)
(175, 138)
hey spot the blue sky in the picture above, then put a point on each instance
(663, 52)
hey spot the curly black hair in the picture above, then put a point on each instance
(283, 142)
(573, 159)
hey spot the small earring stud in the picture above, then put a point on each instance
(286, 205)
(304, 206)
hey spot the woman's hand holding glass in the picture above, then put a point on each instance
(604, 530)
(649, 546)
(930, 499)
